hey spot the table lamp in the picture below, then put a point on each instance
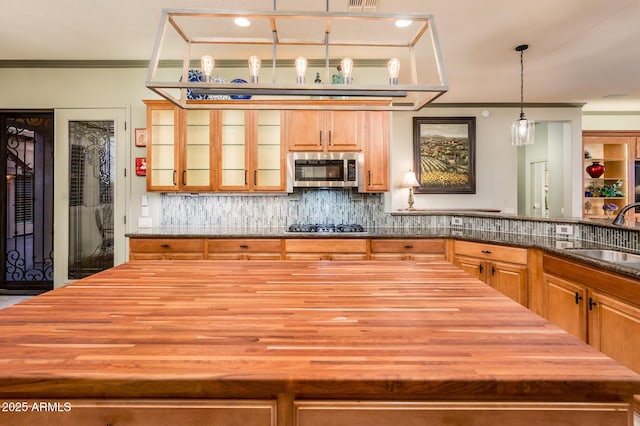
(410, 182)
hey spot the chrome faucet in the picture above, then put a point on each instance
(619, 220)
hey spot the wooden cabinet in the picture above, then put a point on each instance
(163, 146)
(601, 308)
(166, 249)
(144, 412)
(312, 130)
(325, 249)
(180, 152)
(251, 152)
(503, 268)
(244, 249)
(614, 151)
(208, 150)
(376, 152)
(408, 249)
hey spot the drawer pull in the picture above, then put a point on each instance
(164, 245)
(408, 246)
(486, 251)
(244, 246)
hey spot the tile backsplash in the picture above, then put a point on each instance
(345, 206)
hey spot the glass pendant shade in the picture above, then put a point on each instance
(393, 69)
(523, 132)
(207, 63)
(301, 69)
(346, 66)
(254, 68)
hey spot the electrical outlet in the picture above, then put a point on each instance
(145, 222)
(561, 245)
(563, 229)
(456, 221)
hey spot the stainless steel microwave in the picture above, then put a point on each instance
(323, 169)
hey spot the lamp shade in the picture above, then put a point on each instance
(410, 180)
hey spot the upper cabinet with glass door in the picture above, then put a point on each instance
(163, 136)
(179, 148)
(251, 154)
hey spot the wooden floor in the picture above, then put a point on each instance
(206, 329)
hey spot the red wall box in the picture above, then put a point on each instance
(141, 166)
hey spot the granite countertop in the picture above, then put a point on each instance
(552, 245)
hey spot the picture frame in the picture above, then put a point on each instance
(444, 154)
(140, 137)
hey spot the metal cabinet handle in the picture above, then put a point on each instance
(481, 268)
(184, 177)
(591, 304)
(245, 176)
(493, 270)
(579, 298)
(255, 177)
(330, 138)
(369, 177)
(320, 137)
(408, 246)
(164, 245)
(244, 246)
(486, 251)
(174, 177)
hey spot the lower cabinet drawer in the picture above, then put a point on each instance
(491, 251)
(337, 413)
(145, 413)
(166, 245)
(329, 245)
(408, 246)
(243, 246)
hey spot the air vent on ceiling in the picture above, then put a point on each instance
(362, 5)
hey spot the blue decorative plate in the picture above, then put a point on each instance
(239, 80)
(196, 76)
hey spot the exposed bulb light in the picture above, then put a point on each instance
(346, 65)
(403, 23)
(254, 68)
(522, 130)
(242, 22)
(393, 68)
(301, 69)
(206, 64)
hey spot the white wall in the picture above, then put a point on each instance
(496, 159)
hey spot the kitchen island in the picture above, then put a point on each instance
(297, 343)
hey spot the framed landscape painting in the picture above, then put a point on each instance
(444, 154)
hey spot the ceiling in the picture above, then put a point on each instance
(580, 51)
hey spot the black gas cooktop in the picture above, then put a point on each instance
(325, 227)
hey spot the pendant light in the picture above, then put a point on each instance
(522, 130)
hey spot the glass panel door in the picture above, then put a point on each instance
(269, 151)
(90, 157)
(234, 172)
(91, 190)
(163, 147)
(197, 169)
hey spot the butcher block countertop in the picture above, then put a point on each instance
(233, 329)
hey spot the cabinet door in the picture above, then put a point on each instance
(196, 172)
(232, 150)
(509, 279)
(162, 146)
(566, 305)
(303, 130)
(376, 152)
(472, 265)
(267, 164)
(614, 327)
(343, 130)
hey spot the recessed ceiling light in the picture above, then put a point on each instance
(242, 22)
(402, 23)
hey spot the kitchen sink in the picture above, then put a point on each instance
(614, 256)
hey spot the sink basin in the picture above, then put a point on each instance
(608, 255)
